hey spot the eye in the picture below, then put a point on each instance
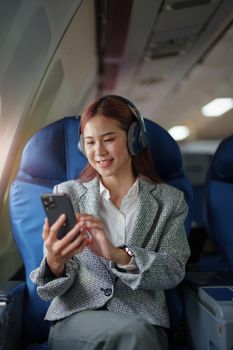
(89, 142)
(109, 140)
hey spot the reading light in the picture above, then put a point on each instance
(179, 132)
(217, 107)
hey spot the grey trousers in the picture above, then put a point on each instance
(104, 330)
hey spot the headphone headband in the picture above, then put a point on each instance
(131, 106)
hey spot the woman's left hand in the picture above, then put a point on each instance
(99, 242)
(97, 236)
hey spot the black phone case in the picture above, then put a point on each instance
(55, 205)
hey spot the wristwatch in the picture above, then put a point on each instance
(131, 266)
(127, 250)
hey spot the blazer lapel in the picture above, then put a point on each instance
(147, 210)
(90, 198)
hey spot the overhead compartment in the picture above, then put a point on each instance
(178, 26)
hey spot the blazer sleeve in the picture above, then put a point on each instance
(164, 266)
(49, 286)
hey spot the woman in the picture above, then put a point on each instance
(108, 275)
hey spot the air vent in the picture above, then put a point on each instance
(169, 48)
(180, 5)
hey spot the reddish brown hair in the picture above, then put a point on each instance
(114, 108)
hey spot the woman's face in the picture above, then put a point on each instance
(106, 147)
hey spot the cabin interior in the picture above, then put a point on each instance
(169, 57)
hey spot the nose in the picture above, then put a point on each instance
(100, 149)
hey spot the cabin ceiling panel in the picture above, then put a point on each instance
(177, 99)
(196, 15)
(171, 73)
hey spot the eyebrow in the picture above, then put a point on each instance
(103, 135)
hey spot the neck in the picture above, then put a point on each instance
(118, 188)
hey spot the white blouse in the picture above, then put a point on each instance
(119, 222)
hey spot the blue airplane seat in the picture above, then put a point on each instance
(50, 157)
(218, 207)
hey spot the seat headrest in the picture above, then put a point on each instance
(51, 155)
(223, 161)
(165, 152)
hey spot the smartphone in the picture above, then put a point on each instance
(55, 205)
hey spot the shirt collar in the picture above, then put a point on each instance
(133, 191)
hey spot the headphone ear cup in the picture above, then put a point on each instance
(134, 139)
(81, 145)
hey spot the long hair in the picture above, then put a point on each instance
(115, 108)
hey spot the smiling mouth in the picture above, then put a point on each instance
(105, 163)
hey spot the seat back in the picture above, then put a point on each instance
(218, 203)
(51, 156)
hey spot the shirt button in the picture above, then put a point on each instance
(107, 291)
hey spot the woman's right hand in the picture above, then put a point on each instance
(59, 251)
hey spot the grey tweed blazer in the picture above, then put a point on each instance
(161, 250)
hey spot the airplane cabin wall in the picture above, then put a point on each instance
(48, 70)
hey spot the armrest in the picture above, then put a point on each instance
(11, 290)
(197, 279)
(11, 314)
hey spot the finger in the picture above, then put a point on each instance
(85, 217)
(93, 225)
(55, 227)
(45, 233)
(91, 222)
(72, 234)
(75, 247)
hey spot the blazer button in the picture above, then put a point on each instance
(107, 291)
